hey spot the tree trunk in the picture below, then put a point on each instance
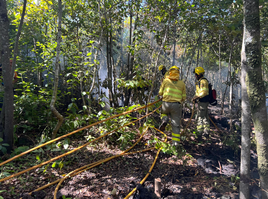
(174, 46)
(127, 90)
(245, 139)
(231, 79)
(155, 68)
(56, 79)
(7, 77)
(251, 62)
(8, 73)
(220, 78)
(192, 56)
(17, 38)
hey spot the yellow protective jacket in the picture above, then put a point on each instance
(202, 89)
(173, 91)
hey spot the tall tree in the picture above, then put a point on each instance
(245, 138)
(56, 79)
(6, 72)
(251, 62)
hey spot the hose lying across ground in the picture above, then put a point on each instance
(77, 171)
(76, 131)
(92, 165)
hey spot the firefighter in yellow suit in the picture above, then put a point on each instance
(202, 98)
(174, 93)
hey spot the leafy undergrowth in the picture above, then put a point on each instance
(208, 168)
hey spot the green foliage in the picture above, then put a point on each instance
(169, 149)
(19, 150)
(122, 136)
(58, 164)
(231, 140)
(31, 109)
(1, 191)
(133, 83)
(3, 146)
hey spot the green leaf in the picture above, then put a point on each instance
(54, 164)
(4, 174)
(61, 165)
(37, 157)
(102, 104)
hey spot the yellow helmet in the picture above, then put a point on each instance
(174, 67)
(161, 67)
(199, 70)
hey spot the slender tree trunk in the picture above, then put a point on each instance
(201, 58)
(155, 68)
(192, 56)
(174, 45)
(231, 79)
(18, 37)
(197, 57)
(183, 61)
(251, 61)
(112, 68)
(56, 79)
(38, 72)
(245, 138)
(109, 67)
(220, 77)
(127, 90)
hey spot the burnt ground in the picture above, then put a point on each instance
(208, 168)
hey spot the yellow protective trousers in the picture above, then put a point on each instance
(202, 117)
(172, 110)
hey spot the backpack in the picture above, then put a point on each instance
(212, 96)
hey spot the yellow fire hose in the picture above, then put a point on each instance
(86, 167)
(89, 165)
(92, 165)
(70, 152)
(76, 131)
(150, 170)
(82, 169)
(214, 124)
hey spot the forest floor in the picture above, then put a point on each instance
(208, 169)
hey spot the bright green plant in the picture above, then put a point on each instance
(31, 109)
(122, 136)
